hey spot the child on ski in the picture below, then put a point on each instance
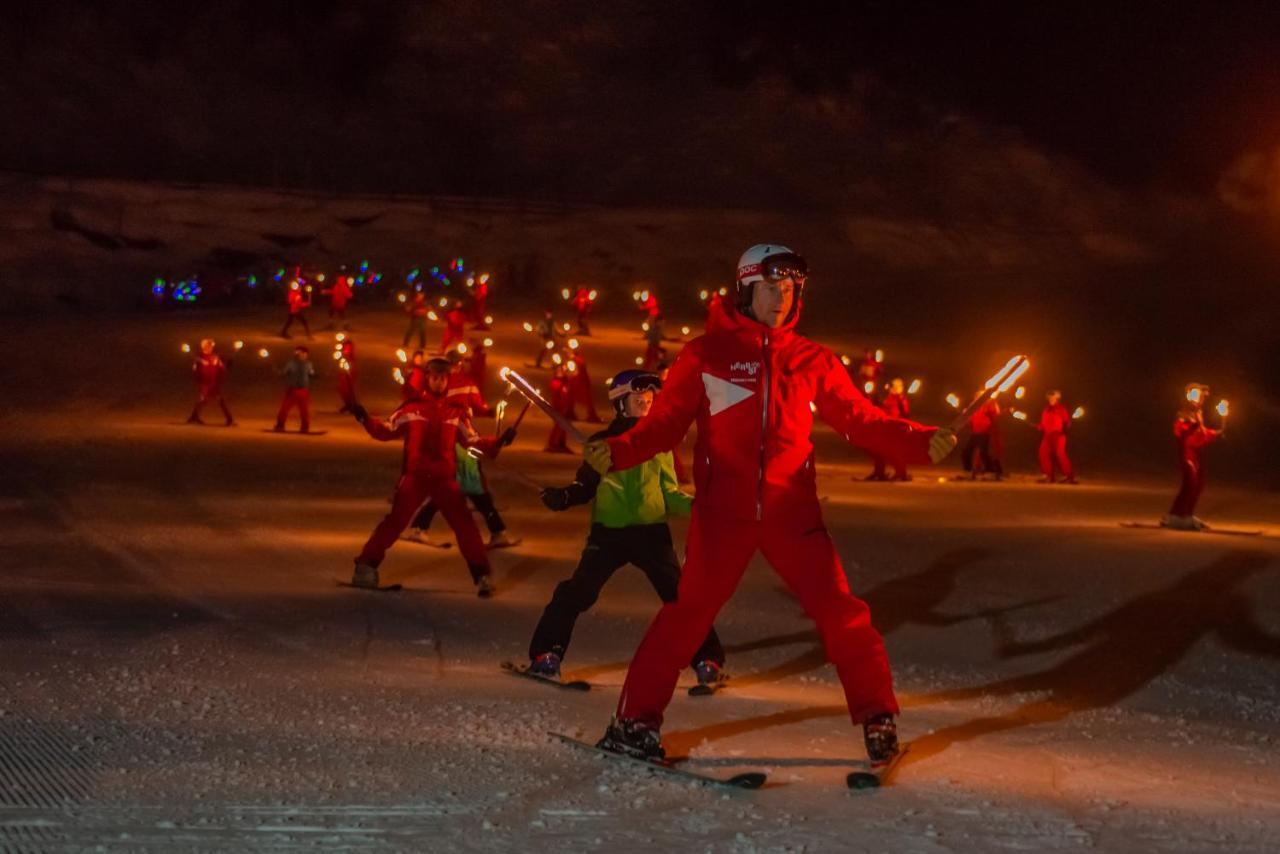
(298, 373)
(628, 525)
(1192, 436)
(210, 372)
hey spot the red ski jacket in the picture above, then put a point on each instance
(750, 389)
(429, 427)
(209, 371)
(1192, 435)
(984, 420)
(896, 405)
(298, 301)
(464, 392)
(1054, 419)
(340, 294)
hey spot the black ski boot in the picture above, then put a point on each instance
(633, 738)
(546, 666)
(365, 576)
(880, 734)
(710, 673)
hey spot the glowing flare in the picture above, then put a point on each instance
(397, 375)
(551, 345)
(846, 361)
(488, 320)
(432, 316)
(565, 327)
(462, 349)
(341, 336)
(880, 357)
(488, 342)
(592, 295)
(528, 327)
(502, 373)
(868, 386)
(573, 367)
(1015, 376)
(337, 354)
(239, 345)
(500, 410)
(635, 295)
(402, 297)
(645, 326)
(723, 292)
(1021, 416)
(484, 278)
(555, 357)
(995, 378)
(1020, 392)
(704, 295)
(573, 343)
(644, 295)
(1079, 413)
(1194, 395)
(564, 292)
(402, 355)
(262, 354)
(914, 387)
(443, 302)
(320, 278)
(812, 406)
(639, 360)
(953, 401)
(186, 348)
(684, 330)
(345, 365)
(1223, 408)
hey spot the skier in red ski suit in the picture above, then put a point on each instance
(895, 405)
(561, 398)
(339, 295)
(582, 302)
(580, 384)
(1192, 436)
(748, 383)
(429, 427)
(210, 372)
(479, 302)
(299, 300)
(1055, 421)
(455, 323)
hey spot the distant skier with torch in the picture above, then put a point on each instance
(748, 383)
(210, 373)
(1054, 423)
(896, 405)
(1192, 436)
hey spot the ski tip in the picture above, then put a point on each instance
(749, 780)
(862, 780)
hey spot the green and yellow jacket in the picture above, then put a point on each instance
(641, 495)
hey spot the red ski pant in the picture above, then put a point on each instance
(717, 552)
(412, 491)
(1053, 451)
(1192, 485)
(301, 398)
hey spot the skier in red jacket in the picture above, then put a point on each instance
(561, 398)
(479, 291)
(748, 383)
(429, 427)
(984, 441)
(895, 405)
(339, 295)
(582, 302)
(1055, 421)
(455, 323)
(580, 383)
(1192, 436)
(299, 300)
(210, 372)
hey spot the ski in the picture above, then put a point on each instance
(523, 671)
(441, 545)
(295, 432)
(708, 689)
(510, 544)
(1229, 532)
(388, 588)
(877, 777)
(746, 780)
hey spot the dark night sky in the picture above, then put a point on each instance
(1141, 94)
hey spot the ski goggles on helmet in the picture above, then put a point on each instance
(775, 268)
(628, 381)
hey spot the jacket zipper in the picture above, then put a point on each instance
(764, 423)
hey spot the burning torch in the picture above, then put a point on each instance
(531, 394)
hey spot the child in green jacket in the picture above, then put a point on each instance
(629, 511)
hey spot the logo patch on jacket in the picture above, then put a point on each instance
(721, 394)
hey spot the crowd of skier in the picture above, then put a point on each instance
(752, 385)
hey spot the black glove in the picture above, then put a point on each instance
(555, 498)
(508, 436)
(360, 413)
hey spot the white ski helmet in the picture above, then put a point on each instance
(768, 261)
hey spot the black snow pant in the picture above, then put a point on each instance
(647, 547)
(288, 324)
(980, 444)
(417, 326)
(482, 502)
